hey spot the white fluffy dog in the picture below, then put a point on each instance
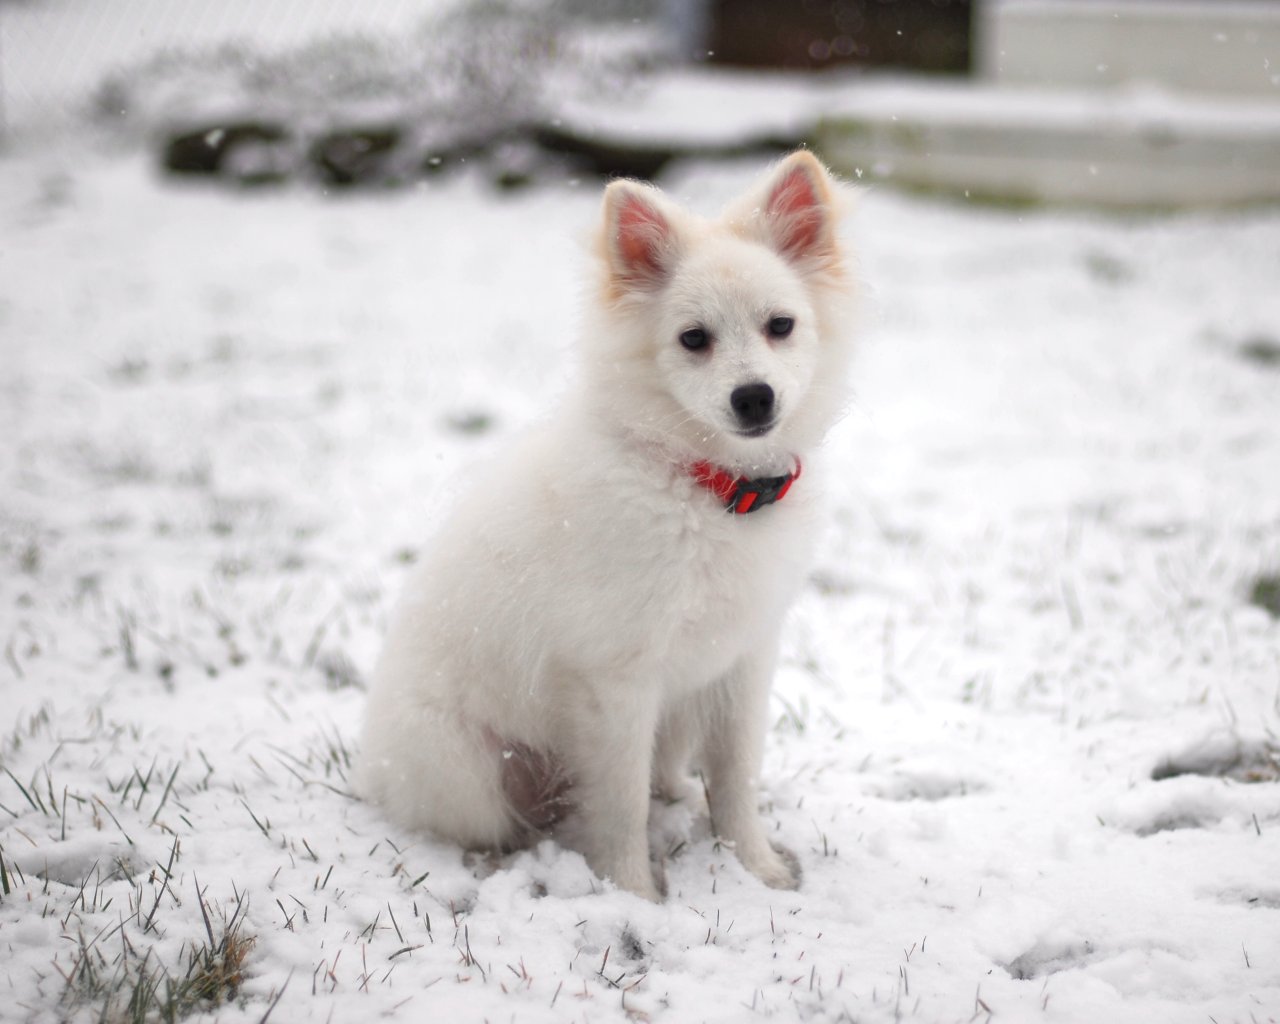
(602, 612)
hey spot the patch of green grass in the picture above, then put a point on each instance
(127, 988)
(1265, 593)
(30, 558)
(472, 423)
(1107, 269)
(1261, 350)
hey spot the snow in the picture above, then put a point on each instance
(673, 105)
(760, 105)
(232, 418)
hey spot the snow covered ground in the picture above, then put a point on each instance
(1026, 726)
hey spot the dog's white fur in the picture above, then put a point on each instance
(590, 621)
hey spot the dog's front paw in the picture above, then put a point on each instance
(643, 886)
(635, 876)
(776, 866)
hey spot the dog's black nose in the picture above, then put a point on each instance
(752, 404)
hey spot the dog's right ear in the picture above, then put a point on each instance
(640, 241)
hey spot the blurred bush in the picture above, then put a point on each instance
(473, 83)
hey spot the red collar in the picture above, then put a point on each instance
(742, 494)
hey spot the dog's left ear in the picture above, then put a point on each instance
(799, 214)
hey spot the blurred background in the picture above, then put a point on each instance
(1109, 102)
(277, 276)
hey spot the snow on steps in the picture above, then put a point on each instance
(1136, 146)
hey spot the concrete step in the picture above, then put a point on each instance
(1127, 146)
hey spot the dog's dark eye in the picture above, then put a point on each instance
(780, 326)
(694, 338)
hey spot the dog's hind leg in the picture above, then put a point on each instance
(433, 770)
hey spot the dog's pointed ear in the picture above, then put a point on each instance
(800, 213)
(640, 239)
